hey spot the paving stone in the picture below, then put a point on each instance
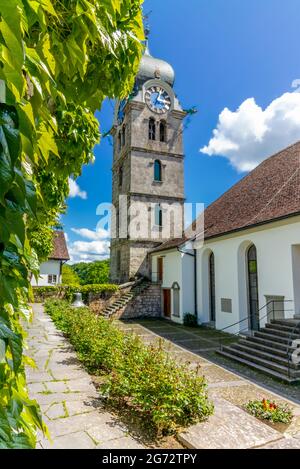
(106, 432)
(83, 406)
(64, 372)
(227, 384)
(126, 442)
(50, 398)
(229, 428)
(36, 376)
(78, 440)
(83, 384)
(56, 386)
(56, 411)
(36, 388)
(284, 443)
(103, 421)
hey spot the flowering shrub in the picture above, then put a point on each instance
(269, 410)
(145, 378)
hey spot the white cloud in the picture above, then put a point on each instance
(75, 190)
(85, 251)
(90, 234)
(97, 248)
(250, 134)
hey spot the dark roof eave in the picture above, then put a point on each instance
(58, 258)
(224, 233)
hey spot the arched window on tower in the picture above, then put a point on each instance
(162, 131)
(158, 215)
(157, 171)
(123, 135)
(151, 129)
(121, 176)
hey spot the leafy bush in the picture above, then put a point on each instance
(69, 276)
(268, 410)
(145, 378)
(92, 272)
(67, 291)
(190, 320)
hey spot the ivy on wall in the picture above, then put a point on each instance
(58, 60)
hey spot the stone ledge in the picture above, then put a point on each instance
(229, 428)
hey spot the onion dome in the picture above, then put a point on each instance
(150, 68)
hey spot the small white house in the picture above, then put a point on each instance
(245, 269)
(51, 270)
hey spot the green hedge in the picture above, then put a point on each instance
(67, 291)
(167, 395)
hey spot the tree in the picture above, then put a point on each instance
(59, 59)
(92, 272)
(69, 276)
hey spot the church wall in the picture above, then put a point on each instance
(275, 270)
(179, 268)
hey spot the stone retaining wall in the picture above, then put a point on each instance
(147, 304)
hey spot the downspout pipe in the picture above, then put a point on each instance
(194, 255)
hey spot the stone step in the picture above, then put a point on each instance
(272, 337)
(253, 351)
(263, 369)
(123, 300)
(269, 365)
(288, 334)
(283, 327)
(272, 348)
(269, 343)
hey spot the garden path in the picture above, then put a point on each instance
(69, 401)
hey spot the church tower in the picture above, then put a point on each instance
(148, 171)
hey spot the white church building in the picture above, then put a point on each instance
(244, 268)
(51, 270)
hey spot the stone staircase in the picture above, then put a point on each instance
(269, 350)
(115, 308)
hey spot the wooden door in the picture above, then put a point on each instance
(167, 302)
(160, 269)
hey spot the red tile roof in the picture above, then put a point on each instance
(60, 249)
(271, 191)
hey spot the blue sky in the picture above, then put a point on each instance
(223, 52)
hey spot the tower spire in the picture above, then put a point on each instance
(147, 32)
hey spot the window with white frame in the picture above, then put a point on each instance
(52, 278)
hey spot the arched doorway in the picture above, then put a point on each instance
(212, 288)
(253, 287)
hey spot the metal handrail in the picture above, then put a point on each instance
(260, 319)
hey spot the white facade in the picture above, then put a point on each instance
(50, 274)
(278, 275)
(178, 271)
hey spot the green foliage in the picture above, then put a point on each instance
(167, 395)
(69, 276)
(269, 410)
(67, 291)
(93, 272)
(190, 320)
(58, 60)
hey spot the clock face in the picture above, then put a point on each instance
(158, 99)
